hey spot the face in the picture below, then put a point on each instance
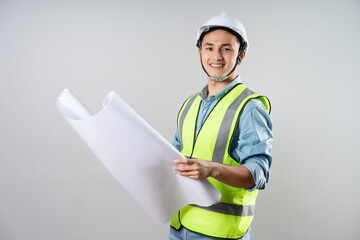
(219, 50)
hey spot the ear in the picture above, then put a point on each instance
(199, 52)
(242, 57)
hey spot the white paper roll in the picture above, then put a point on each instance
(139, 158)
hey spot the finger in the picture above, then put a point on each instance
(184, 168)
(190, 174)
(183, 161)
(194, 177)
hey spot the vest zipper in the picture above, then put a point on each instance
(195, 135)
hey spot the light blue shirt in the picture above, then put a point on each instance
(252, 142)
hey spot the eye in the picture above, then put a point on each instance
(226, 49)
(208, 48)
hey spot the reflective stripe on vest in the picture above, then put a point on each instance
(184, 113)
(223, 136)
(230, 209)
(232, 216)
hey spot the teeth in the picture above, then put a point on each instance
(216, 65)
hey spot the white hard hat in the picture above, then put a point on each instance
(224, 21)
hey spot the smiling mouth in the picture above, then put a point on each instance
(216, 65)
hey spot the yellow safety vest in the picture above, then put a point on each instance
(231, 217)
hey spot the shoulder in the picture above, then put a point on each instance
(190, 99)
(188, 103)
(254, 104)
(255, 112)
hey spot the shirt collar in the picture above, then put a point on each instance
(205, 91)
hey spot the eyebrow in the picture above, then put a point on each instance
(222, 45)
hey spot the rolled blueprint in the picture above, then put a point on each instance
(137, 156)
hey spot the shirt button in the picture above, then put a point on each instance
(204, 111)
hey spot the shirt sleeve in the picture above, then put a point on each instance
(176, 143)
(254, 142)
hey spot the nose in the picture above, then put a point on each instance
(218, 55)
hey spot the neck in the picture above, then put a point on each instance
(215, 87)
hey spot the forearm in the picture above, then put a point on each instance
(235, 176)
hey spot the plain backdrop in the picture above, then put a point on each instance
(303, 55)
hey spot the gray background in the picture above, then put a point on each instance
(304, 55)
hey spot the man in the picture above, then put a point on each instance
(225, 133)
